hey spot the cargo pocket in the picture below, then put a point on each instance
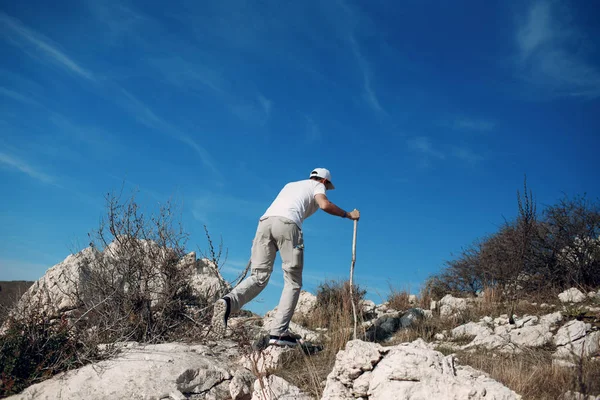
(298, 256)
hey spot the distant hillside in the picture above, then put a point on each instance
(10, 292)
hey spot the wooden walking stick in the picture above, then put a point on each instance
(352, 276)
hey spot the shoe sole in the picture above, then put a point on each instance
(282, 343)
(219, 324)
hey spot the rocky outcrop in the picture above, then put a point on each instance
(163, 371)
(576, 339)
(450, 305)
(499, 334)
(406, 371)
(62, 287)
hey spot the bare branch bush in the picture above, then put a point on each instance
(137, 283)
(536, 253)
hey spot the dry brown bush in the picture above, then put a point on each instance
(534, 253)
(398, 300)
(140, 292)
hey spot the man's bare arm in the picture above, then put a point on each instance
(332, 209)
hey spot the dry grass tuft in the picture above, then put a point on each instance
(333, 312)
(532, 375)
(398, 300)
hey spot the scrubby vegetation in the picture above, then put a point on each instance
(32, 350)
(136, 287)
(541, 253)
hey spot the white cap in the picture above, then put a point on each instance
(324, 174)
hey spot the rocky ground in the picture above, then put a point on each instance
(414, 353)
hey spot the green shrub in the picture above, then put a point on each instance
(34, 350)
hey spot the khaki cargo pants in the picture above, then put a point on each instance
(272, 235)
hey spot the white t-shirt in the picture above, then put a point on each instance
(296, 201)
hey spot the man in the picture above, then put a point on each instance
(280, 229)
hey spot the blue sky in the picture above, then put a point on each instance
(427, 113)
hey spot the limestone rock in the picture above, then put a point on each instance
(406, 371)
(571, 332)
(531, 336)
(268, 359)
(241, 385)
(572, 295)
(450, 305)
(276, 388)
(551, 319)
(471, 329)
(306, 303)
(575, 339)
(140, 372)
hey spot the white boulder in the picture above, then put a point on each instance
(406, 371)
(531, 336)
(450, 305)
(551, 319)
(575, 339)
(572, 295)
(276, 388)
(471, 329)
(268, 359)
(306, 303)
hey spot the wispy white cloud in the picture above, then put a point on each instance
(22, 35)
(186, 74)
(535, 31)
(424, 146)
(429, 152)
(194, 74)
(17, 96)
(370, 95)
(25, 38)
(551, 52)
(24, 167)
(147, 117)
